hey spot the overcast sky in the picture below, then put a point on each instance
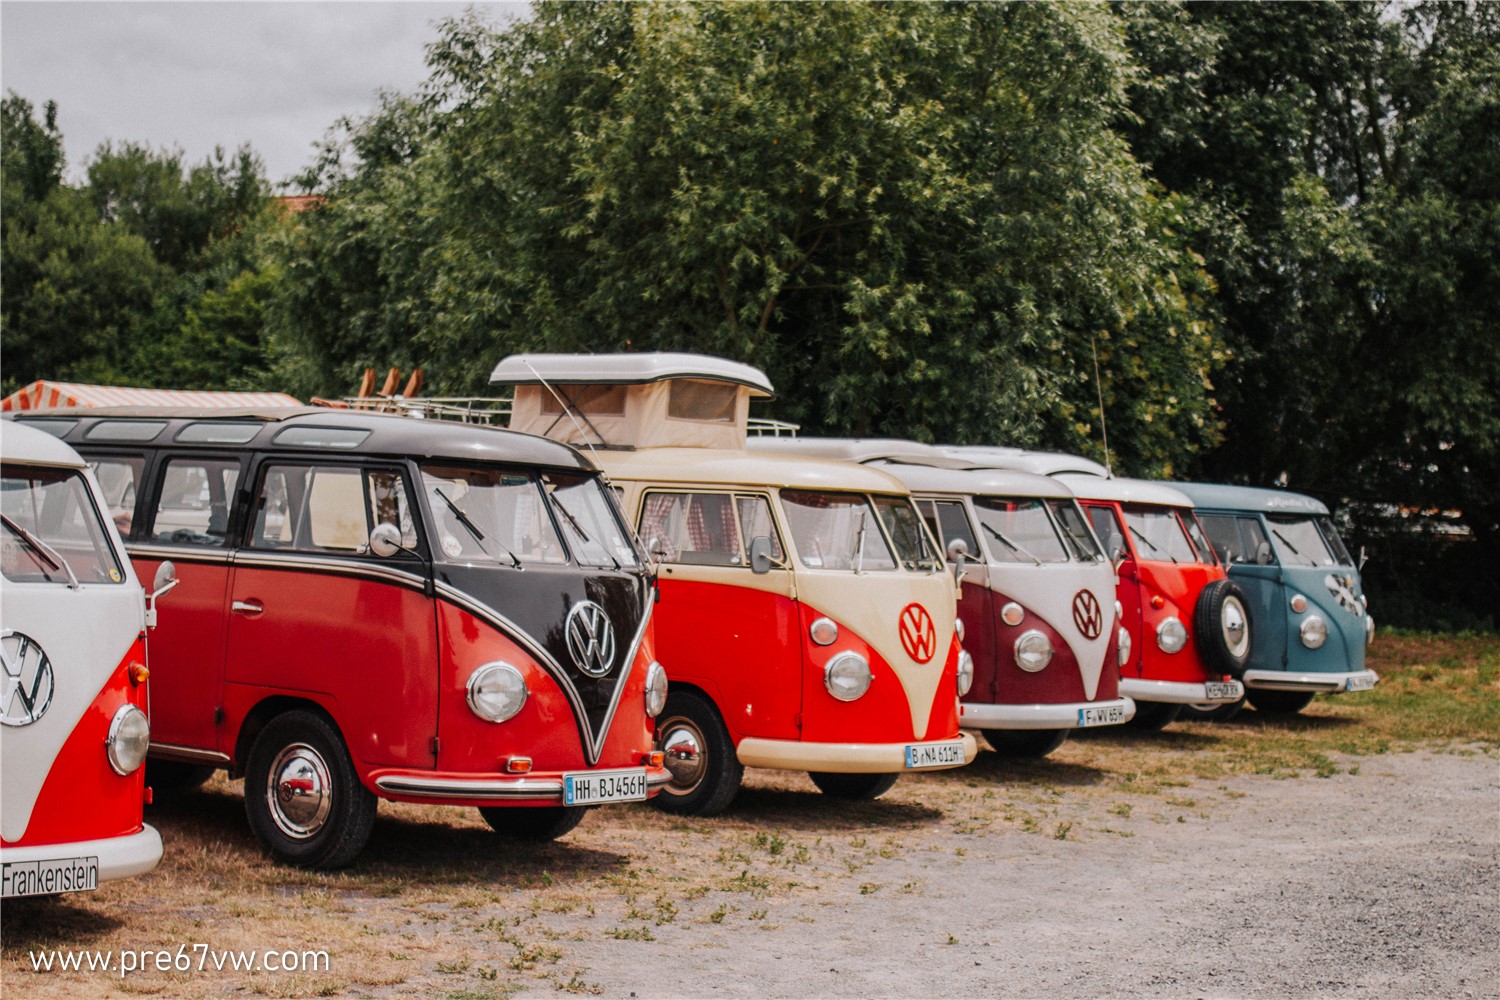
(198, 75)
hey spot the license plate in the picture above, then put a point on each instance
(41, 878)
(934, 754)
(1363, 682)
(1223, 690)
(1107, 715)
(587, 788)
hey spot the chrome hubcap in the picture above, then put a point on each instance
(1236, 634)
(682, 744)
(299, 792)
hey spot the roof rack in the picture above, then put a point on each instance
(766, 427)
(485, 410)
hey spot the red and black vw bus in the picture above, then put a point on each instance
(376, 607)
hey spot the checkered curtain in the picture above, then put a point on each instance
(654, 521)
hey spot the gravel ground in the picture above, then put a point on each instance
(1380, 883)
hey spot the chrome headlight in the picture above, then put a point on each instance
(1033, 651)
(656, 689)
(965, 672)
(847, 676)
(1171, 636)
(958, 628)
(129, 738)
(823, 631)
(1123, 654)
(1012, 614)
(1314, 631)
(1369, 630)
(497, 691)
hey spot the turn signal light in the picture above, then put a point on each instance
(656, 758)
(146, 796)
(518, 765)
(137, 673)
(1157, 601)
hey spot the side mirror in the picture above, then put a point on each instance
(656, 550)
(958, 554)
(385, 540)
(1263, 554)
(1363, 558)
(166, 579)
(760, 555)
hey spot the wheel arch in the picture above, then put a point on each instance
(261, 715)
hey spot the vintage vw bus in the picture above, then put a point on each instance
(376, 607)
(1036, 602)
(1191, 625)
(73, 712)
(806, 621)
(1311, 626)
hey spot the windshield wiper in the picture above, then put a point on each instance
(1018, 550)
(1289, 545)
(1153, 548)
(48, 554)
(573, 523)
(473, 528)
(859, 546)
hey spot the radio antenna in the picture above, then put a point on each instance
(1099, 387)
(567, 407)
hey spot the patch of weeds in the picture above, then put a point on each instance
(454, 968)
(869, 888)
(1353, 768)
(772, 843)
(1061, 833)
(758, 914)
(717, 917)
(745, 882)
(631, 934)
(800, 855)
(952, 939)
(1030, 825)
(1122, 810)
(577, 984)
(666, 910)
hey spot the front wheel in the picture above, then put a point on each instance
(539, 824)
(1033, 743)
(1154, 715)
(302, 795)
(1279, 702)
(1211, 711)
(700, 757)
(853, 786)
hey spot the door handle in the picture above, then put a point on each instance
(251, 607)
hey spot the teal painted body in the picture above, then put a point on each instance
(1279, 546)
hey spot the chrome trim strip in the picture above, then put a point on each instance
(1174, 692)
(1281, 680)
(187, 755)
(1063, 715)
(464, 788)
(324, 564)
(178, 553)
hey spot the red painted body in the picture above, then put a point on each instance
(83, 797)
(998, 680)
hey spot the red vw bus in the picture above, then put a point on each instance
(73, 714)
(806, 620)
(377, 607)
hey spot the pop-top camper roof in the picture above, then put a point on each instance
(632, 400)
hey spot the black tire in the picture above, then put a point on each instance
(1279, 702)
(330, 828)
(1032, 743)
(1211, 712)
(1222, 626)
(1154, 715)
(860, 787)
(538, 824)
(700, 756)
(173, 777)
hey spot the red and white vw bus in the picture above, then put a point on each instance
(1036, 604)
(73, 711)
(806, 620)
(1191, 623)
(377, 607)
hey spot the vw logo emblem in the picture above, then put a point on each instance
(27, 680)
(918, 636)
(1087, 614)
(591, 638)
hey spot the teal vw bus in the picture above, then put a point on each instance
(1311, 623)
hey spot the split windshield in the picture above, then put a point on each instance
(1029, 529)
(1158, 536)
(52, 529)
(844, 531)
(519, 518)
(1299, 541)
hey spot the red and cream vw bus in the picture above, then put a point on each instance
(806, 620)
(377, 607)
(1036, 602)
(73, 711)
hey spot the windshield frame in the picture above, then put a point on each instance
(1306, 530)
(106, 567)
(870, 560)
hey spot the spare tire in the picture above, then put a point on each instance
(1222, 626)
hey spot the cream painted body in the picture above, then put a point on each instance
(1048, 591)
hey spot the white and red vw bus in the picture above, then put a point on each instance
(1037, 597)
(73, 710)
(377, 607)
(806, 620)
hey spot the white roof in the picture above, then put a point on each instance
(20, 443)
(1125, 490)
(627, 369)
(1043, 463)
(856, 450)
(922, 479)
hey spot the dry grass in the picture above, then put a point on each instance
(440, 906)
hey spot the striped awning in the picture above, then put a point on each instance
(43, 395)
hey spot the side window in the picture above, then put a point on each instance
(1107, 526)
(120, 478)
(1254, 536)
(755, 520)
(193, 505)
(952, 522)
(694, 528)
(1224, 532)
(389, 504)
(329, 508)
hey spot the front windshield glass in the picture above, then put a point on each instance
(1076, 530)
(1335, 543)
(1158, 535)
(515, 517)
(1299, 542)
(1018, 529)
(50, 526)
(904, 526)
(1199, 539)
(836, 531)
